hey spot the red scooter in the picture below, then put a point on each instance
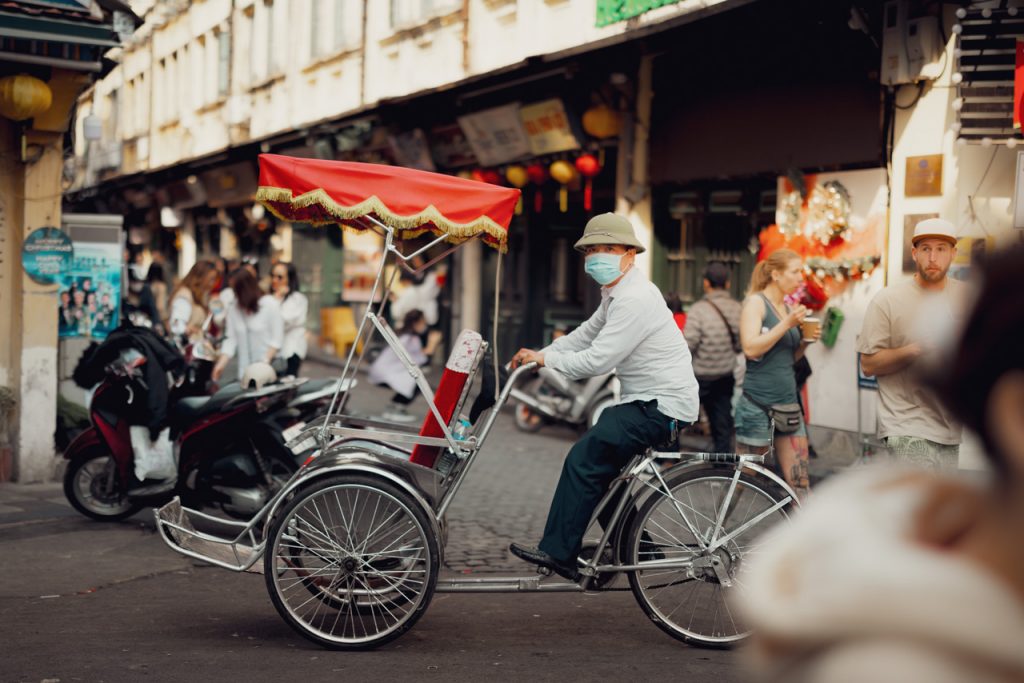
(231, 455)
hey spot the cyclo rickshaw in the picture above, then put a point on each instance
(352, 547)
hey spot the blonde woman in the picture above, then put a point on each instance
(771, 341)
(189, 301)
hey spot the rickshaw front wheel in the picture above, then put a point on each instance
(351, 562)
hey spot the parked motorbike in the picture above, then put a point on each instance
(550, 397)
(231, 454)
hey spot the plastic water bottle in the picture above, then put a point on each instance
(461, 430)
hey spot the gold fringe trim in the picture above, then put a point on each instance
(429, 219)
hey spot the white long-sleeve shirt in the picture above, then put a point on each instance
(252, 335)
(633, 333)
(294, 310)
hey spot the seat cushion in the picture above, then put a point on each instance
(453, 385)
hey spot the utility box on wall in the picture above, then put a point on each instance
(911, 47)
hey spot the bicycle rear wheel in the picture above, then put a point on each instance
(351, 562)
(690, 602)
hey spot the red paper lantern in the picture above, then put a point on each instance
(538, 175)
(487, 175)
(588, 166)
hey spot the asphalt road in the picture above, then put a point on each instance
(87, 601)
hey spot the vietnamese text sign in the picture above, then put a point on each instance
(548, 127)
(496, 135)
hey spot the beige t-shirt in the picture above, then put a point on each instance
(901, 315)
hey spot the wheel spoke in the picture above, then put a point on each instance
(691, 603)
(356, 569)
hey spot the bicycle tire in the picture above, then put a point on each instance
(658, 528)
(342, 596)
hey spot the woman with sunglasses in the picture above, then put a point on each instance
(284, 284)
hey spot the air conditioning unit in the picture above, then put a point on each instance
(911, 47)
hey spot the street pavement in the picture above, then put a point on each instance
(88, 601)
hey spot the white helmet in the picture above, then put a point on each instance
(257, 375)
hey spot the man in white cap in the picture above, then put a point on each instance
(903, 327)
(632, 332)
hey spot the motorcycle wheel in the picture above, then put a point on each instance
(599, 407)
(527, 420)
(85, 482)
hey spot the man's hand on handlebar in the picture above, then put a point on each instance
(527, 356)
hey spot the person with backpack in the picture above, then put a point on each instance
(712, 333)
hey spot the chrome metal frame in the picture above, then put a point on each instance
(342, 446)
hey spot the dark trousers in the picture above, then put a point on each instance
(716, 397)
(592, 464)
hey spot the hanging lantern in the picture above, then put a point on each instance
(517, 177)
(563, 173)
(486, 175)
(538, 175)
(602, 122)
(588, 166)
(23, 97)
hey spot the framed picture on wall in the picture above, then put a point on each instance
(909, 221)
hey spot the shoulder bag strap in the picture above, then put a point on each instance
(732, 334)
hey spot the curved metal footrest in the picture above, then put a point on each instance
(238, 552)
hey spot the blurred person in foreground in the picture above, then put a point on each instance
(900, 574)
(903, 327)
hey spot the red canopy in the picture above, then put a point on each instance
(411, 201)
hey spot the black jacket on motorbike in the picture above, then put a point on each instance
(161, 357)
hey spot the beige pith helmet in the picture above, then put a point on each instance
(609, 228)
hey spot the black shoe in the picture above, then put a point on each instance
(542, 559)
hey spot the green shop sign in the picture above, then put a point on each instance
(614, 11)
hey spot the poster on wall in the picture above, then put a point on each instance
(970, 251)
(361, 258)
(90, 290)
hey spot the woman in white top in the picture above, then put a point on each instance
(189, 301)
(284, 281)
(255, 328)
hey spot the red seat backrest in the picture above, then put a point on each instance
(449, 393)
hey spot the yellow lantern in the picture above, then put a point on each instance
(517, 177)
(602, 121)
(468, 175)
(23, 97)
(563, 173)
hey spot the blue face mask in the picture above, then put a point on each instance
(604, 268)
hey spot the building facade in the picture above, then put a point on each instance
(729, 116)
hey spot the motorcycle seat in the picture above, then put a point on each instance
(192, 408)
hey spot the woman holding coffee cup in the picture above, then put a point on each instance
(773, 336)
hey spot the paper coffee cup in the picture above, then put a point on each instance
(809, 328)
